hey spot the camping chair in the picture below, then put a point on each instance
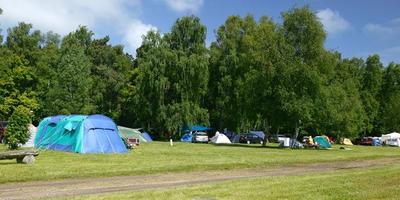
(309, 143)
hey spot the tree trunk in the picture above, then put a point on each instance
(296, 134)
(265, 140)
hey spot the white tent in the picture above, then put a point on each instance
(32, 132)
(220, 139)
(392, 139)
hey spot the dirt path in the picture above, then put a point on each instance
(71, 187)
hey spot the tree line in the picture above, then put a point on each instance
(257, 74)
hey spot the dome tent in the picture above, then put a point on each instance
(220, 138)
(80, 134)
(323, 142)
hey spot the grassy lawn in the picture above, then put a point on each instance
(158, 157)
(373, 183)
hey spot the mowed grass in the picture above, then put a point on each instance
(159, 157)
(372, 183)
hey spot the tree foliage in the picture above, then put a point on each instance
(17, 130)
(173, 77)
(257, 74)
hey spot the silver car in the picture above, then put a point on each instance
(200, 137)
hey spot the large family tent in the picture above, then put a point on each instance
(220, 138)
(131, 132)
(32, 130)
(323, 142)
(80, 134)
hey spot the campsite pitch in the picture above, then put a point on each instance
(187, 160)
(169, 180)
(159, 157)
(379, 182)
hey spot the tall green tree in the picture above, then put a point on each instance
(339, 110)
(110, 66)
(243, 64)
(70, 94)
(173, 77)
(18, 81)
(371, 87)
(300, 81)
(389, 119)
(24, 42)
(45, 71)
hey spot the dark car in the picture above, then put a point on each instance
(366, 141)
(242, 139)
(253, 139)
(3, 128)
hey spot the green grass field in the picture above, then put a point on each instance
(373, 183)
(158, 157)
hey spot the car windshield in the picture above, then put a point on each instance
(201, 134)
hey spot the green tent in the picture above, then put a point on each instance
(130, 132)
(322, 142)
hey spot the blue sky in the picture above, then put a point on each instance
(355, 28)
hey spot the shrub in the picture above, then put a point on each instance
(17, 129)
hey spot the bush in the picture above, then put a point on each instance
(17, 129)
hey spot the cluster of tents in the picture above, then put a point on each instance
(391, 139)
(99, 134)
(218, 138)
(83, 134)
(229, 137)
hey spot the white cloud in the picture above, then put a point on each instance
(332, 21)
(64, 16)
(388, 30)
(184, 5)
(134, 33)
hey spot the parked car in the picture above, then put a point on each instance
(252, 139)
(3, 128)
(242, 139)
(366, 141)
(200, 137)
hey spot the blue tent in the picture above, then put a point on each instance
(187, 137)
(229, 134)
(80, 134)
(147, 136)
